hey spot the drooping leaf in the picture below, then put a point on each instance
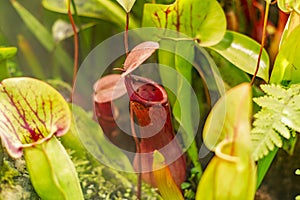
(202, 20)
(138, 55)
(52, 172)
(277, 118)
(165, 183)
(93, 139)
(44, 37)
(243, 51)
(31, 112)
(100, 9)
(229, 117)
(286, 69)
(230, 175)
(126, 4)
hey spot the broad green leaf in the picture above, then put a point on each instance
(243, 51)
(230, 117)
(286, 69)
(202, 20)
(52, 172)
(44, 37)
(126, 4)
(228, 176)
(163, 177)
(7, 52)
(100, 9)
(179, 54)
(93, 139)
(263, 166)
(289, 5)
(31, 112)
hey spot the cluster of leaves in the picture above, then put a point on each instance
(278, 118)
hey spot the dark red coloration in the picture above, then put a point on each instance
(150, 106)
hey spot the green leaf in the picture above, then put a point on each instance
(230, 117)
(7, 52)
(44, 37)
(52, 172)
(263, 166)
(93, 139)
(202, 20)
(277, 118)
(287, 64)
(228, 176)
(126, 4)
(99, 9)
(243, 51)
(31, 112)
(163, 177)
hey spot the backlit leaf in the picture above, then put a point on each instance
(126, 4)
(243, 51)
(202, 20)
(31, 112)
(287, 64)
(165, 182)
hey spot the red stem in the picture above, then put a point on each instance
(262, 41)
(75, 67)
(126, 34)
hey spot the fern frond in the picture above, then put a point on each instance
(276, 120)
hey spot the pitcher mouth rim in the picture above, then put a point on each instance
(219, 151)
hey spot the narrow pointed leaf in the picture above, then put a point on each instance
(44, 37)
(230, 117)
(31, 112)
(126, 4)
(165, 182)
(243, 51)
(287, 64)
(203, 20)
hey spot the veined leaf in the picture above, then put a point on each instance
(202, 20)
(126, 4)
(230, 117)
(31, 112)
(164, 180)
(243, 51)
(280, 113)
(287, 65)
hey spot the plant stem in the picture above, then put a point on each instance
(75, 68)
(3, 70)
(138, 151)
(126, 34)
(262, 41)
